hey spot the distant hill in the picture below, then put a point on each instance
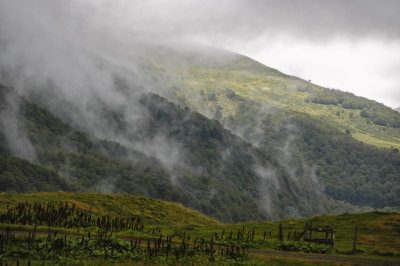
(216, 84)
(303, 125)
(222, 134)
(84, 163)
(220, 175)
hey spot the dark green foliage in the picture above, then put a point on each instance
(380, 121)
(85, 164)
(222, 154)
(97, 240)
(364, 113)
(212, 97)
(231, 94)
(106, 249)
(350, 170)
(217, 173)
(149, 244)
(325, 99)
(380, 114)
(22, 176)
(66, 216)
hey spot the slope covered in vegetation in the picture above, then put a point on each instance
(219, 174)
(84, 163)
(150, 210)
(349, 144)
(91, 228)
(210, 83)
(22, 176)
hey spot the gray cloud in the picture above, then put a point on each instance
(239, 20)
(321, 19)
(80, 47)
(104, 23)
(49, 40)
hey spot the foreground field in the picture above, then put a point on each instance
(76, 228)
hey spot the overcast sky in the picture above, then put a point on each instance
(348, 45)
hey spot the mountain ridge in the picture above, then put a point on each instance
(219, 140)
(274, 88)
(224, 159)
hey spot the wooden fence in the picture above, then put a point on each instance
(321, 235)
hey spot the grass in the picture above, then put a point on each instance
(377, 230)
(375, 141)
(253, 81)
(151, 211)
(378, 237)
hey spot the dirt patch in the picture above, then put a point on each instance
(317, 257)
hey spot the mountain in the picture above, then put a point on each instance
(217, 132)
(218, 173)
(348, 144)
(216, 87)
(89, 164)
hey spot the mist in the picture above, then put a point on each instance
(94, 60)
(60, 50)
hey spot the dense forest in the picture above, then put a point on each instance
(219, 174)
(347, 169)
(222, 188)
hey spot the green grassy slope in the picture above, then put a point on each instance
(218, 82)
(151, 211)
(376, 229)
(378, 232)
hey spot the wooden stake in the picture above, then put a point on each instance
(355, 239)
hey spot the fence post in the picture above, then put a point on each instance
(280, 233)
(327, 233)
(333, 237)
(355, 239)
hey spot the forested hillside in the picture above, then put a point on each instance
(18, 175)
(214, 84)
(347, 169)
(349, 144)
(235, 140)
(220, 175)
(75, 161)
(299, 164)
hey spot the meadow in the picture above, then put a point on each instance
(92, 228)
